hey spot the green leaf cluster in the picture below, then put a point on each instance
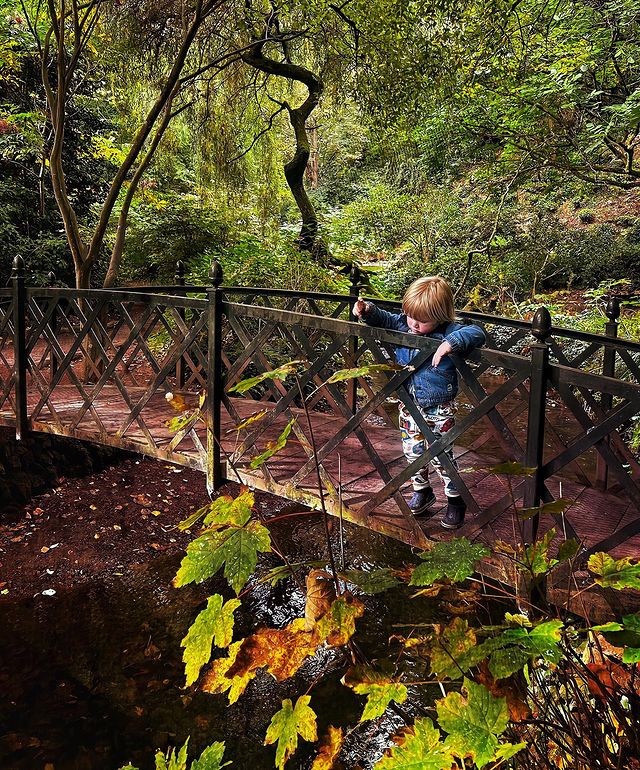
(455, 650)
(454, 559)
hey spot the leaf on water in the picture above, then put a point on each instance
(289, 723)
(273, 446)
(321, 592)
(329, 750)
(281, 651)
(379, 688)
(256, 417)
(454, 559)
(339, 624)
(281, 373)
(214, 625)
(371, 582)
(612, 573)
(537, 554)
(361, 371)
(234, 547)
(416, 747)
(556, 506)
(449, 652)
(473, 722)
(216, 681)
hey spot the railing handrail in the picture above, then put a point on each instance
(158, 293)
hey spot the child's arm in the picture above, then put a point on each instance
(372, 315)
(465, 339)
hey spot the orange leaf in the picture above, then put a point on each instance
(504, 688)
(280, 650)
(329, 750)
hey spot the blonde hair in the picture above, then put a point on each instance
(429, 299)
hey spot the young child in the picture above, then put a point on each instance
(428, 310)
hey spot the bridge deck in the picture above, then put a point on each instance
(594, 515)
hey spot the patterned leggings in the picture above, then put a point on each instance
(440, 418)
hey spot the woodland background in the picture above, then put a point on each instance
(494, 143)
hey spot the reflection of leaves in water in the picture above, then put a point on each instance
(289, 723)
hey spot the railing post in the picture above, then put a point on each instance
(540, 329)
(179, 278)
(354, 291)
(53, 322)
(214, 377)
(20, 347)
(612, 312)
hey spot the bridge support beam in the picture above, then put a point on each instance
(540, 329)
(19, 347)
(215, 385)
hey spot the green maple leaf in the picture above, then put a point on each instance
(454, 559)
(510, 651)
(612, 573)
(289, 723)
(172, 761)
(281, 373)
(568, 549)
(473, 723)
(371, 582)
(361, 371)
(213, 625)
(557, 506)
(419, 748)
(537, 554)
(273, 446)
(223, 510)
(227, 510)
(211, 758)
(379, 688)
(234, 547)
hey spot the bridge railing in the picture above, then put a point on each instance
(107, 365)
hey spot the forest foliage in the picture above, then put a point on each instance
(490, 142)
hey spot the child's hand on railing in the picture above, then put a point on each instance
(360, 307)
(441, 351)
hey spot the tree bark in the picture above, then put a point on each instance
(294, 170)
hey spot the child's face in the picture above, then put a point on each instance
(420, 327)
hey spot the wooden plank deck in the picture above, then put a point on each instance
(594, 515)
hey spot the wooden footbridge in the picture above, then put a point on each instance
(99, 366)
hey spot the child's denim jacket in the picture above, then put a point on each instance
(429, 385)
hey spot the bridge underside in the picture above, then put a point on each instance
(349, 477)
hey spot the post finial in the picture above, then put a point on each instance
(51, 278)
(179, 276)
(215, 273)
(541, 324)
(612, 310)
(18, 267)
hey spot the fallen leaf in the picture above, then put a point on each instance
(44, 549)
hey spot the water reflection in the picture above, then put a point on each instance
(92, 677)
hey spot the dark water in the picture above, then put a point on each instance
(92, 678)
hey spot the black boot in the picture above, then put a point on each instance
(422, 500)
(454, 517)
